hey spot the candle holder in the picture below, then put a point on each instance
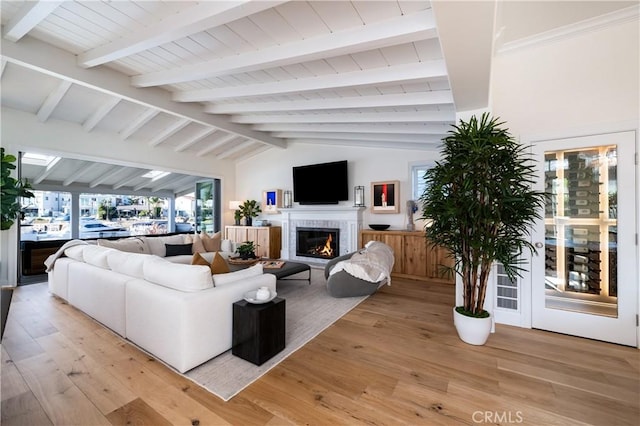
(288, 199)
(358, 196)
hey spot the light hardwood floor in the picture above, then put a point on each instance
(395, 359)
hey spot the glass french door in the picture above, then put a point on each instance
(584, 277)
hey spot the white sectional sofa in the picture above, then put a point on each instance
(179, 313)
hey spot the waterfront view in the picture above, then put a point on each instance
(48, 216)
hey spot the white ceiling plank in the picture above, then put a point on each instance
(215, 145)
(403, 99)
(386, 75)
(30, 15)
(53, 100)
(388, 137)
(171, 181)
(3, 65)
(397, 128)
(48, 170)
(418, 116)
(134, 175)
(239, 147)
(399, 30)
(136, 124)
(391, 145)
(114, 171)
(189, 21)
(195, 139)
(42, 57)
(99, 114)
(171, 130)
(78, 173)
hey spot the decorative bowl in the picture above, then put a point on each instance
(378, 226)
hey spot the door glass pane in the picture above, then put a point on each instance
(581, 231)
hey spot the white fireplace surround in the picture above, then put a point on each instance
(347, 219)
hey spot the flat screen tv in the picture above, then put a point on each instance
(323, 183)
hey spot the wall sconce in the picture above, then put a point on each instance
(288, 200)
(358, 196)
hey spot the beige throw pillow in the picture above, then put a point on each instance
(211, 243)
(198, 246)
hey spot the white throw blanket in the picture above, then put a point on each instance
(52, 259)
(372, 264)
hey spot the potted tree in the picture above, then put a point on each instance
(478, 203)
(11, 190)
(249, 210)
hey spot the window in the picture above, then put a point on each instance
(417, 178)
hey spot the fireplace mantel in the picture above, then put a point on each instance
(346, 218)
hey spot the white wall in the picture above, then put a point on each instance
(273, 170)
(569, 84)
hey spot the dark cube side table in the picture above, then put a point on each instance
(258, 330)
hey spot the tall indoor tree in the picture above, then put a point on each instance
(479, 203)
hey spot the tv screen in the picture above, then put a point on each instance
(324, 183)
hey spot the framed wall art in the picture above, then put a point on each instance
(271, 201)
(385, 197)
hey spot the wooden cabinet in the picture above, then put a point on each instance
(414, 258)
(267, 238)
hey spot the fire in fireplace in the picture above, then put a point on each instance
(322, 243)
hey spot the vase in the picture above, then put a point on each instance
(248, 221)
(472, 330)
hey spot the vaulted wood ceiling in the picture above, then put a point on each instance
(230, 79)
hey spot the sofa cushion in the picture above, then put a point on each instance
(198, 246)
(157, 244)
(227, 246)
(177, 249)
(130, 245)
(96, 255)
(75, 253)
(131, 264)
(221, 279)
(177, 276)
(211, 242)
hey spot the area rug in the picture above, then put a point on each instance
(309, 310)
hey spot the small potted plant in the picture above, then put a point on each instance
(237, 215)
(249, 210)
(247, 250)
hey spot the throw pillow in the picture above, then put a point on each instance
(211, 243)
(197, 259)
(219, 266)
(178, 249)
(194, 239)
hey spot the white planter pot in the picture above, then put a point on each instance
(474, 331)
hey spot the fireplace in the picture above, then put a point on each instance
(322, 243)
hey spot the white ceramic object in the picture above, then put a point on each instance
(474, 331)
(263, 293)
(250, 297)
